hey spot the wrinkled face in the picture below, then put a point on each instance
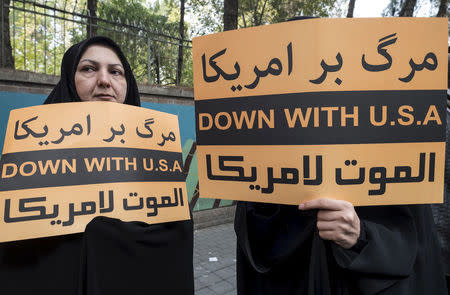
(100, 75)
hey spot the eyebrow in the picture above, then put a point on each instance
(97, 63)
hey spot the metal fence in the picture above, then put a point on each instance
(41, 31)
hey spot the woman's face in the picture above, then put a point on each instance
(100, 75)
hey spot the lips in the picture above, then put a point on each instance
(104, 96)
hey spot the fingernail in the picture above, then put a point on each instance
(301, 206)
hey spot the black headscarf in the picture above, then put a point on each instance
(65, 90)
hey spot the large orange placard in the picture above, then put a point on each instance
(64, 164)
(350, 109)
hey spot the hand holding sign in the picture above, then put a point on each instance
(337, 221)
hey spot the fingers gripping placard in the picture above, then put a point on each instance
(64, 164)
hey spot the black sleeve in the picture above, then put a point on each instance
(386, 250)
(269, 234)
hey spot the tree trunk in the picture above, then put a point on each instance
(408, 8)
(351, 7)
(243, 19)
(393, 10)
(442, 9)
(158, 69)
(230, 15)
(180, 47)
(91, 28)
(255, 14)
(6, 57)
(262, 13)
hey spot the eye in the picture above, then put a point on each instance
(88, 69)
(116, 72)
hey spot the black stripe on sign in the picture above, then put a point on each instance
(150, 165)
(217, 113)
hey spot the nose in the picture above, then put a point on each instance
(103, 78)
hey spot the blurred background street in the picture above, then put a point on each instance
(215, 260)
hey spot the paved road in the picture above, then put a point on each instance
(215, 260)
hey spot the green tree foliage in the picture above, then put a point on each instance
(206, 16)
(256, 12)
(146, 26)
(260, 12)
(434, 7)
(40, 35)
(134, 40)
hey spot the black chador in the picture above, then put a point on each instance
(279, 251)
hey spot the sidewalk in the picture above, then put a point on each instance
(215, 260)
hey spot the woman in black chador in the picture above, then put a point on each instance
(111, 256)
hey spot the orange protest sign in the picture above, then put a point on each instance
(350, 109)
(64, 164)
